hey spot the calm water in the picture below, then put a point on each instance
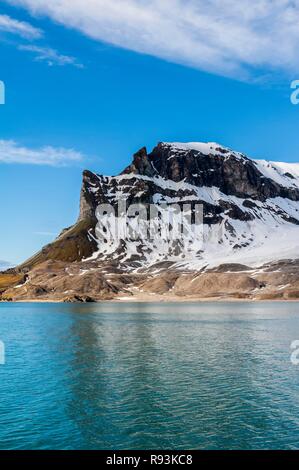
(137, 376)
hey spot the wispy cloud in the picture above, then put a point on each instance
(25, 30)
(4, 265)
(45, 234)
(50, 56)
(20, 28)
(222, 36)
(12, 152)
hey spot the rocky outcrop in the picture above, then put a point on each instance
(232, 172)
(249, 233)
(242, 206)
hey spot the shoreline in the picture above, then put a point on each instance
(151, 300)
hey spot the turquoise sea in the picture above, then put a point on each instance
(149, 376)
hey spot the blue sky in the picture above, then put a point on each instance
(76, 99)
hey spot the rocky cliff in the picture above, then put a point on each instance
(248, 243)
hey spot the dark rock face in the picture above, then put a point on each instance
(79, 299)
(141, 164)
(234, 175)
(88, 201)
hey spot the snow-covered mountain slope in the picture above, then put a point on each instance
(250, 207)
(285, 174)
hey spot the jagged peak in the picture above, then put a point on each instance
(203, 164)
(141, 164)
(205, 148)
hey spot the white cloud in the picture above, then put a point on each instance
(20, 28)
(12, 152)
(50, 56)
(227, 37)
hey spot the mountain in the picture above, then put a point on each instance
(245, 245)
(4, 265)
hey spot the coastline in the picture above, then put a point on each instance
(157, 300)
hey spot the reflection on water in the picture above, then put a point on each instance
(136, 376)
